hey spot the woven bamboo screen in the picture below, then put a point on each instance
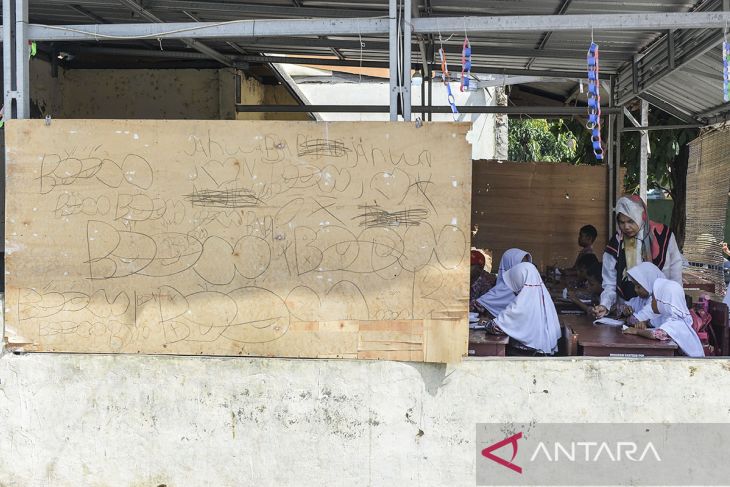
(708, 183)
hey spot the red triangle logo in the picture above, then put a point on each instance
(487, 452)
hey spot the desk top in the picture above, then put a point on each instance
(481, 337)
(603, 336)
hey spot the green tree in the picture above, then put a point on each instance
(540, 140)
(666, 165)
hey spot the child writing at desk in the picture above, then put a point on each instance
(638, 309)
(593, 288)
(530, 320)
(674, 319)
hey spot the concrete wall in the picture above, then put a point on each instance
(255, 93)
(206, 94)
(71, 420)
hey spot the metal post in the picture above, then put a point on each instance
(407, 29)
(22, 59)
(432, 54)
(617, 153)
(423, 96)
(612, 166)
(8, 56)
(644, 149)
(393, 58)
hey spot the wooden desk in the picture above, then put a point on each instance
(483, 345)
(693, 280)
(609, 341)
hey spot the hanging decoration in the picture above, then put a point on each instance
(446, 78)
(594, 101)
(726, 68)
(465, 64)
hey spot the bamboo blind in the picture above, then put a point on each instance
(708, 182)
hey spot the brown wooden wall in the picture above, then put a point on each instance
(538, 207)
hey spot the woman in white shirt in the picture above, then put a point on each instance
(637, 240)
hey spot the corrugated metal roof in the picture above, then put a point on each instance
(693, 89)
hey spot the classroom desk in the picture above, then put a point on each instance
(609, 341)
(693, 280)
(483, 345)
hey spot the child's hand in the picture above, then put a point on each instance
(725, 249)
(627, 311)
(600, 311)
(641, 325)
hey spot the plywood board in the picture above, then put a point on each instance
(289, 239)
(538, 207)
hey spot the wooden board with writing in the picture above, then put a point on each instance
(291, 239)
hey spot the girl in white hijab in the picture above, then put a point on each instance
(531, 318)
(500, 296)
(637, 240)
(638, 309)
(675, 321)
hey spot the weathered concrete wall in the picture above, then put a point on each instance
(206, 94)
(255, 93)
(71, 420)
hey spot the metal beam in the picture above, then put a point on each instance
(671, 110)
(87, 13)
(477, 68)
(631, 118)
(249, 10)
(8, 57)
(601, 22)
(477, 48)
(406, 34)
(16, 62)
(612, 164)
(393, 58)
(208, 30)
(546, 37)
(192, 43)
(656, 74)
(347, 26)
(233, 45)
(156, 53)
(513, 110)
(415, 13)
(661, 127)
(714, 111)
(681, 50)
(480, 69)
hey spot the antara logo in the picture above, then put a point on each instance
(487, 452)
(588, 451)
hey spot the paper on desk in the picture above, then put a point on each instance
(608, 321)
(477, 326)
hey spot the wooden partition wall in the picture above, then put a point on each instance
(538, 207)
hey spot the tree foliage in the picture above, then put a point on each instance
(540, 140)
(569, 141)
